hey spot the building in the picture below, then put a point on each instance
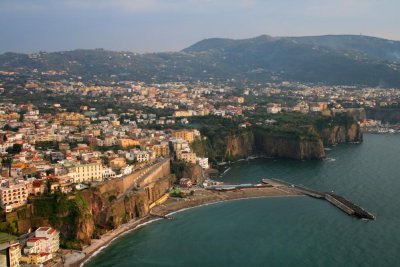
(117, 163)
(10, 252)
(161, 150)
(203, 162)
(273, 108)
(185, 156)
(240, 100)
(185, 182)
(183, 113)
(13, 196)
(36, 259)
(125, 143)
(42, 246)
(90, 172)
(142, 156)
(179, 144)
(108, 173)
(52, 236)
(186, 135)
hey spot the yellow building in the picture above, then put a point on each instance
(125, 143)
(183, 113)
(188, 157)
(10, 252)
(161, 150)
(70, 118)
(240, 100)
(184, 134)
(117, 163)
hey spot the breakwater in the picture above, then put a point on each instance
(338, 201)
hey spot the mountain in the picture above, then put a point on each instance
(372, 47)
(331, 59)
(341, 59)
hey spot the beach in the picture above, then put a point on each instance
(166, 209)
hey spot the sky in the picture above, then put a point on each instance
(171, 25)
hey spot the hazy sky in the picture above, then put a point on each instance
(171, 25)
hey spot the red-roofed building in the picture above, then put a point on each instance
(46, 240)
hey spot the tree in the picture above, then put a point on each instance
(15, 149)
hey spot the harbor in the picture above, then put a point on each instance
(338, 201)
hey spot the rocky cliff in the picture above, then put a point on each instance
(275, 146)
(91, 212)
(341, 134)
(240, 146)
(109, 212)
(256, 141)
(193, 172)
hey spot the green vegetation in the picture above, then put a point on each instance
(176, 193)
(9, 228)
(64, 213)
(15, 149)
(178, 168)
(4, 237)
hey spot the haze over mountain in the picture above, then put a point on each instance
(330, 59)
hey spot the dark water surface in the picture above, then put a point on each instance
(284, 231)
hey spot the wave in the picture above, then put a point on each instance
(226, 170)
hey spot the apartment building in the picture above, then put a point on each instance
(90, 172)
(13, 196)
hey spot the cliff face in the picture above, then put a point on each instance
(257, 141)
(193, 172)
(90, 212)
(240, 146)
(341, 134)
(289, 148)
(110, 212)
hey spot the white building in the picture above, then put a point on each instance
(127, 170)
(53, 238)
(203, 162)
(90, 172)
(273, 108)
(142, 156)
(108, 173)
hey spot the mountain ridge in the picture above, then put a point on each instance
(328, 59)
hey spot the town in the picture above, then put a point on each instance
(64, 137)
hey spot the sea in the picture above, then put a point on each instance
(283, 231)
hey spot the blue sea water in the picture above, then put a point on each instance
(283, 231)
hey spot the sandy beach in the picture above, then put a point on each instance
(171, 205)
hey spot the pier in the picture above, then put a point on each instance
(161, 216)
(338, 201)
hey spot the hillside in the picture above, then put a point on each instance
(349, 60)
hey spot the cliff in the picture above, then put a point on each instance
(293, 148)
(108, 212)
(240, 146)
(91, 212)
(341, 134)
(295, 143)
(193, 172)
(121, 200)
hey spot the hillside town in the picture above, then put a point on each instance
(68, 137)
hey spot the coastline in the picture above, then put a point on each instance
(172, 206)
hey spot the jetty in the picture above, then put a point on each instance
(338, 201)
(161, 216)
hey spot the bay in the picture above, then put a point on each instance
(283, 231)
